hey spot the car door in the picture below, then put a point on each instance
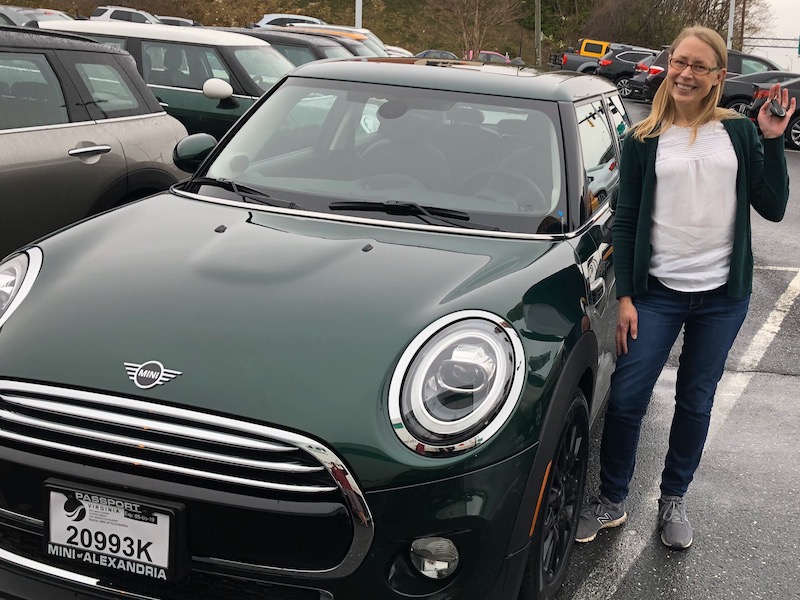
(56, 161)
(601, 124)
(176, 73)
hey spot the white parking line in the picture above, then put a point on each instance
(604, 580)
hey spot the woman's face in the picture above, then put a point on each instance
(687, 87)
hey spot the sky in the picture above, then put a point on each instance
(785, 24)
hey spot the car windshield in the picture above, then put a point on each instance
(318, 143)
(263, 64)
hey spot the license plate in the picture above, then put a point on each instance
(120, 532)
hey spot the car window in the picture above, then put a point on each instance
(335, 52)
(593, 47)
(599, 156)
(108, 88)
(297, 55)
(137, 18)
(619, 116)
(263, 64)
(181, 65)
(99, 11)
(30, 93)
(751, 65)
(498, 159)
(121, 15)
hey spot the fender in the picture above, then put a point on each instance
(582, 358)
(137, 184)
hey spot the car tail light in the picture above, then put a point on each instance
(655, 70)
(604, 62)
(760, 93)
(563, 59)
(640, 67)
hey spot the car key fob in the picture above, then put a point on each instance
(776, 109)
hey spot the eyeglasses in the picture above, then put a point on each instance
(680, 65)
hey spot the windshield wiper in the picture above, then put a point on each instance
(425, 213)
(248, 193)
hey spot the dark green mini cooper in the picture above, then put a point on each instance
(356, 356)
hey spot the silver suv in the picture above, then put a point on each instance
(123, 13)
(80, 132)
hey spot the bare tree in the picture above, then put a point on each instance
(472, 20)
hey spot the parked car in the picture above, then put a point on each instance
(398, 51)
(354, 43)
(446, 54)
(737, 94)
(739, 63)
(123, 13)
(581, 58)
(179, 21)
(487, 56)
(205, 78)
(45, 14)
(79, 133)
(636, 83)
(760, 94)
(328, 366)
(11, 15)
(619, 65)
(285, 19)
(372, 41)
(296, 47)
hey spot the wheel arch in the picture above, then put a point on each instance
(578, 371)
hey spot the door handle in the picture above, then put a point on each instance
(101, 149)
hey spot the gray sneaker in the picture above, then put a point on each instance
(600, 513)
(676, 531)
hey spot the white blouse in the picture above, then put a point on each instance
(694, 208)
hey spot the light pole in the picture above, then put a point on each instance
(731, 17)
(358, 13)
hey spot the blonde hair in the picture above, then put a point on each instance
(662, 114)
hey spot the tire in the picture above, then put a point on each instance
(739, 105)
(624, 87)
(561, 503)
(793, 133)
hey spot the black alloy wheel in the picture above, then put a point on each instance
(554, 536)
(624, 87)
(739, 106)
(793, 133)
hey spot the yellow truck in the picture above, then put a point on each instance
(582, 58)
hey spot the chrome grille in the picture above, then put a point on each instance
(163, 438)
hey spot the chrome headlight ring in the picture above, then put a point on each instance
(457, 383)
(17, 275)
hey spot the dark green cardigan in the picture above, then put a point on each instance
(762, 182)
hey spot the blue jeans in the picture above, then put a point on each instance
(711, 321)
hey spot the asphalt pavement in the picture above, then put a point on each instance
(742, 500)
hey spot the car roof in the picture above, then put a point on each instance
(269, 33)
(25, 37)
(169, 33)
(354, 35)
(460, 76)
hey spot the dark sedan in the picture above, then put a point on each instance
(737, 94)
(298, 48)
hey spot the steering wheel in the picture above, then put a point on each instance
(388, 181)
(505, 187)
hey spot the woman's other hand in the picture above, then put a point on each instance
(627, 324)
(770, 125)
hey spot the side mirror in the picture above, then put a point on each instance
(218, 89)
(191, 151)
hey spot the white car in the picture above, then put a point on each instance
(285, 19)
(123, 13)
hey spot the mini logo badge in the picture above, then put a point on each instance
(149, 374)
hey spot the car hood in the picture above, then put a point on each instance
(292, 321)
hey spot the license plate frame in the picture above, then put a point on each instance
(79, 517)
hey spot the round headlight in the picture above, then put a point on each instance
(16, 278)
(456, 383)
